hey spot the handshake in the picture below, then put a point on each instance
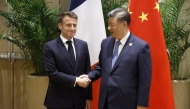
(83, 81)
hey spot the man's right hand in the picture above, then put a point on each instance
(83, 81)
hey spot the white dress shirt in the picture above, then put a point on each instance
(64, 40)
(123, 41)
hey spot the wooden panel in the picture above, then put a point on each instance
(20, 73)
(6, 73)
(52, 3)
(6, 84)
(184, 68)
(3, 28)
(3, 46)
(2, 7)
(64, 5)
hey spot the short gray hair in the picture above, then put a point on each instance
(121, 14)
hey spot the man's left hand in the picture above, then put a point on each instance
(88, 104)
(141, 107)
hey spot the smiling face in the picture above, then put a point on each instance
(68, 27)
(118, 29)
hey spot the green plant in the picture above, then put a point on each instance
(107, 6)
(31, 23)
(176, 32)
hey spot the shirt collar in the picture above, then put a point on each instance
(124, 39)
(64, 40)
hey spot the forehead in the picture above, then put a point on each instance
(112, 20)
(68, 19)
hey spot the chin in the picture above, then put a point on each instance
(113, 36)
(71, 35)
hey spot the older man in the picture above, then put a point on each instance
(124, 65)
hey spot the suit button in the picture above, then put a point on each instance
(110, 75)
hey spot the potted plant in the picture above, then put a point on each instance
(176, 28)
(176, 25)
(31, 23)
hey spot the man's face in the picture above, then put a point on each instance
(68, 27)
(117, 28)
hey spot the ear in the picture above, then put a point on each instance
(125, 23)
(60, 26)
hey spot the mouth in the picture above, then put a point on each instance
(71, 32)
(112, 32)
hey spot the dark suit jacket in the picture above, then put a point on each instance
(61, 92)
(127, 84)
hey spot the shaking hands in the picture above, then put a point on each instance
(83, 81)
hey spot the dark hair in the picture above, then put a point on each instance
(121, 14)
(70, 14)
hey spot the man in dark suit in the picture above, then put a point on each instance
(66, 58)
(124, 66)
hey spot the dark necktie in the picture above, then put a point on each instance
(71, 52)
(115, 53)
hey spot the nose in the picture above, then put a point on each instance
(73, 27)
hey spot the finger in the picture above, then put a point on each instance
(81, 76)
(80, 85)
(86, 79)
(86, 76)
(86, 85)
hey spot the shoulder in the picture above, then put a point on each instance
(50, 45)
(138, 40)
(51, 41)
(79, 40)
(107, 39)
(141, 45)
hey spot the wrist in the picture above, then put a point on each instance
(77, 80)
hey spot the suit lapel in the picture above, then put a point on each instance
(64, 50)
(110, 52)
(124, 51)
(77, 51)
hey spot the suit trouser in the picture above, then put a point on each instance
(106, 103)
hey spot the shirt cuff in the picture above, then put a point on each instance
(75, 82)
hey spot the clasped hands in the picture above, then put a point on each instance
(83, 81)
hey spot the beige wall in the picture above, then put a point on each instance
(64, 4)
(184, 69)
(3, 44)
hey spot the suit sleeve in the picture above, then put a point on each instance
(144, 76)
(51, 68)
(87, 70)
(97, 71)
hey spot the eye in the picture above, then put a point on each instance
(71, 25)
(74, 25)
(112, 25)
(68, 25)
